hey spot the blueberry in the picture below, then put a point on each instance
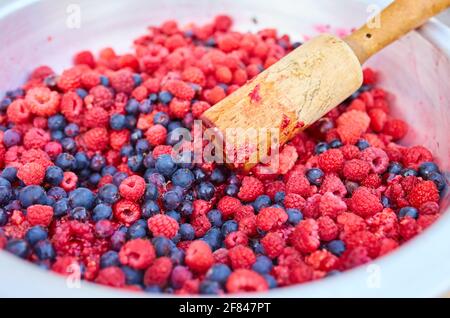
(94, 178)
(294, 216)
(109, 193)
(321, 147)
(186, 208)
(130, 122)
(118, 239)
(205, 191)
(232, 190)
(61, 207)
(218, 273)
(132, 107)
(261, 202)
(215, 218)
(394, 168)
(97, 162)
(104, 80)
(362, 144)
(165, 97)
(409, 172)
(142, 146)
(149, 209)
(199, 174)
(315, 176)
(213, 238)
(426, 168)
(153, 289)
(335, 144)
(336, 247)
(118, 177)
(439, 180)
(44, 250)
(9, 173)
(257, 247)
(187, 232)
(174, 215)
(3, 217)
(5, 194)
(217, 176)
(54, 175)
(163, 246)
(408, 211)
(18, 247)
(109, 259)
(117, 122)
(102, 212)
(132, 276)
(145, 106)
(136, 135)
(161, 118)
(79, 213)
(151, 192)
(229, 226)
(56, 122)
(177, 256)
(385, 201)
(66, 161)
(31, 195)
(183, 178)
(11, 138)
(171, 200)
(57, 193)
(209, 288)
(109, 171)
(173, 125)
(5, 182)
(263, 265)
(81, 161)
(137, 230)
(165, 165)
(72, 130)
(57, 135)
(135, 162)
(4, 103)
(82, 197)
(36, 234)
(68, 145)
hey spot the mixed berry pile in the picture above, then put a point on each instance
(88, 180)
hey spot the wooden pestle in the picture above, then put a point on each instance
(308, 82)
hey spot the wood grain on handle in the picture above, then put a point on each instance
(400, 17)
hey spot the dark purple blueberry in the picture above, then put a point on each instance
(109, 259)
(72, 130)
(132, 107)
(439, 180)
(68, 145)
(149, 209)
(9, 173)
(79, 213)
(31, 195)
(213, 238)
(11, 138)
(132, 276)
(145, 106)
(36, 234)
(109, 193)
(137, 230)
(218, 273)
(186, 208)
(362, 144)
(61, 207)
(66, 161)
(44, 250)
(336, 247)
(6, 194)
(183, 178)
(294, 216)
(229, 227)
(3, 217)
(315, 176)
(263, 265)
(102, 212)
(82, 197)
(165, 165)
(165, 97)
(321, 147)
(54, 175)
(215, 218)
(97, 162)
(19, 248)
(187, 232)
(209, 288)
(171, 200)
(161, 118)
(163, 246)
(117, 122)
(206, 191)
(56, 122)
(394, 168)
(261, 202)
(232, 190)
(336, 143)
(408, 211)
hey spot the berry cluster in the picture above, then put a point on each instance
(88, 181)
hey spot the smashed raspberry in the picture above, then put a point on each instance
(132, 188)
(138, 254)
(158, 274)
(31, 173)
(40, 215)
(244, 280)
(163, 225)
(199, 257)
(241, 257)
(251, 188)
(271, 218)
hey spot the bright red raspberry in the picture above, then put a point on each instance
(36, 138)
(40, 215)
(96, 117)
(356, 170)
(416, 155)
(354, 257)
(331, 205)
(248, 225)
(429, 208)
(70, 79)
(31, 173)
(241, 257)
(101, 97)
(351, 125)
(408, 228)
(322, 260)
(163, 225)
(396, 128)
(132, 188)
(179, 108)
(364, 239)
(159, 273)
(180, 89)
(273, 244)
(228, 206)
(251, 188)
(69, 182)
(377, 158)
(300, 273)
(18, 112)
(425, 191)
(350, 151)
(90, 79)
(111, 276)
(273, 187)
(199, 107)
(384, 224)
(236, 238)
(244, 280)
(199, 257)
(240, 77)
(194, 75)
(122, 81)
(350, 222)
(223, 74)
(214, 95)
(377, 119)
(294, 201)
(222, 22)
(244, 212)
(387, 246)
(271, 218)
(96, 139)
(305, 237)
(201, 225)
(138, 254)
(373, 181)
(127, 211)
(228, 43)
(331, 160)
(41, 101)
(297, 183)
(332, 183)
(328, 229)
(156, 135)
(364, 203)
(72, 106)
(119, 138)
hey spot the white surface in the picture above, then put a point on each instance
(413, 69)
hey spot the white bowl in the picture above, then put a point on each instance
(416, 70)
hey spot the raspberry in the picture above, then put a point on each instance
(228, 206)
(18, 112)
(96, 117)
(41, 101)
(102, 97)
(425, 191)
(294, 201)
(222, 22)
(244, 280)
(199, 107)
(228, 43)
(364, 239)
(354, 257)
(36, 138)
(41, 72)
(31, 173)
(223, 74)
(272, 188)
(377, 158)
(96, 139)
(248, 225)
(377, 119)
(364, 203)
(244, 211)
(251, 188)
(356, 170)
(332, 183)
(387, 245)
(429, 208)
(408, 228)
(328, 229)
(194, 75)
(369, 76)
(271, 218)
(305, 237)
(273, 244)
(70, 79)
(241, 257)
(127, 211)
(84, 57)
(384, 224)
(214, 95)
(71, 106)
(90, 79)
(351, 125)
(158, 274)
(69, 182)
(111, 276)
(132, 188)
(138, 254)
(300, 273)
(240, 77)
(236, 238)
(179, 108)
(372, 181)
(163, 225)
(350, 151)
(180, 89)
(199, 257)
(122, 81)
(396, 128)
(331, 160)
(416, 155)
(161, 150)
(331, 205)
(118, 139)
(156, 135)
(297, 183)
(322, 260)
(40, 215)
(201, 225)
